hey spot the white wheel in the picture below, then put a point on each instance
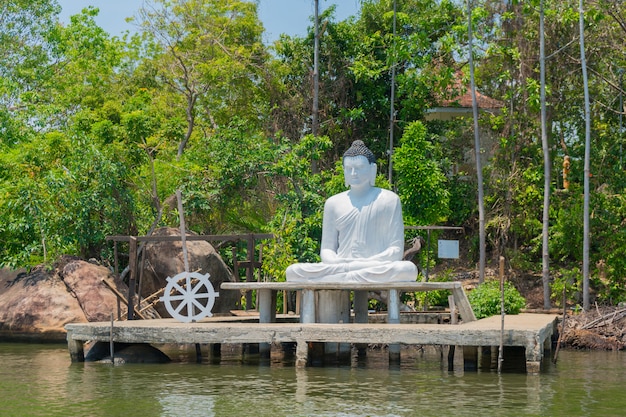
(189, 296)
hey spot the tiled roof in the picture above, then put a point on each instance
(465, 100)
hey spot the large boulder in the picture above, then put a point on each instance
(37, 305)
(165, 259)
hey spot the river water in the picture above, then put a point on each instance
(40, 380)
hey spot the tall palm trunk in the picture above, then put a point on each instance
(583, 64)
(316, 81)
(479, 168)
(546, 165)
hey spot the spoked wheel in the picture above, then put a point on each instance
(189, 296)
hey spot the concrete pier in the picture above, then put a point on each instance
(531, 331)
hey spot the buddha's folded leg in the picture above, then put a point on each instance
(315, 272)
(399, 271)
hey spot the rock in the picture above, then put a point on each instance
(126, 353)
(165, 259)
(84, 281)
(36, 306)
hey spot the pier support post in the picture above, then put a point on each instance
(488, 357)
(307, 306)
(302, 353)
(333, 306)
(215, 353)
(534, 354)
(393, 317)
(451, 353)
(77, 353)
(470, 358)
(361, 315)
(266, 305)
(360, 302)
(533, 367)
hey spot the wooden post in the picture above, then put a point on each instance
(111, 343)
(249, 269)
(501, 350)
(120, 297)
(117, 275)
(298, 298)
(462, 303)
(233, 251)
(132, 264)
(454, 319)
(285, 309)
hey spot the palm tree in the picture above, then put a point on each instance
(479, 169)
(546, 165)
(587, 158)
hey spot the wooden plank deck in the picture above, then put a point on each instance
(531, 331)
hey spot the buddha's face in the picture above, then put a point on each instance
(358, 171)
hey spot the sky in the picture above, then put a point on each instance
(278, 16)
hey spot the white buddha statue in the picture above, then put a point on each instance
(362, 230)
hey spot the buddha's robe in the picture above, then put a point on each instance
(361, 242)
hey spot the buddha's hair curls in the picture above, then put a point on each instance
(358, 148)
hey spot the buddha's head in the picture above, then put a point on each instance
(359, 165)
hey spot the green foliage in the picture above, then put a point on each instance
(565, 231)
(356, 56)
(462, 200)
(434, 298)
(297, 223)
(568, 283)
(486, 299)
(66, 201)
(422, 185)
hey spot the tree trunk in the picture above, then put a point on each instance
(587, 160)
(479, 168)
(546, 166)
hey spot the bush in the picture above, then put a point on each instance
(437, 297)
(485, 299)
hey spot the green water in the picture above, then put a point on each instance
(39, 380)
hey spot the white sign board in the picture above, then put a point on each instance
(448, 249)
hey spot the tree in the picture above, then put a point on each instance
(587, 171)
(210, 53)
(546, 166)
(64, 192)
(420, 179)
(477, 147)
(24, 26)
(356, 57)
(297, 224)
